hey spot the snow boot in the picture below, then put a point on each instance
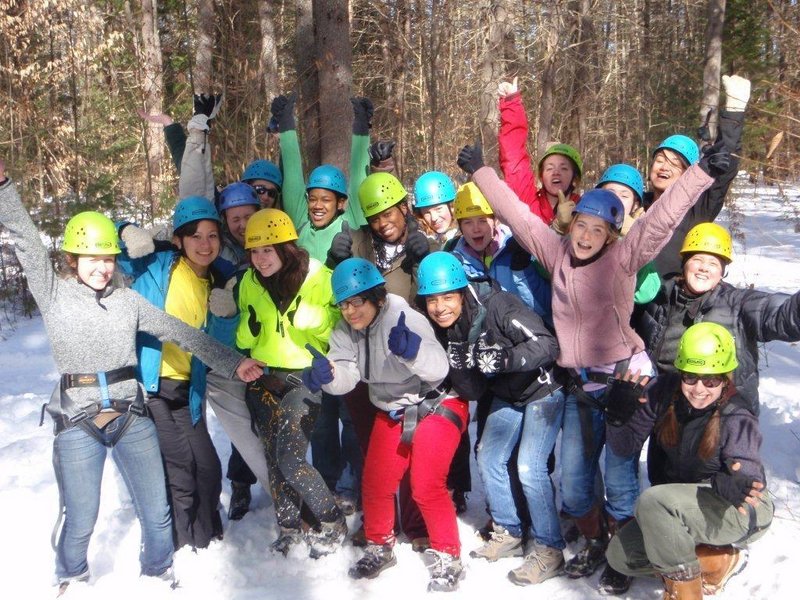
(377, 558)
(613, 583)
(348, 506)
(501, 544)
(541, 563)
(240, 500)
(718, 564)
(446, 571)
(685, 589)
(286, 539)
(328, 539)
(593, 554)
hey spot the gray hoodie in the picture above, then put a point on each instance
(394, 382)
(93, 331)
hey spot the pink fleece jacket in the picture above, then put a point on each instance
(592, 303)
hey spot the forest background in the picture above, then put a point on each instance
(611, 77)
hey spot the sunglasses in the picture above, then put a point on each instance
(354, 302)
(262, 189)
(709, 381)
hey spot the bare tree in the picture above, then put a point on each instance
(713, 62)
(308, 82)
(153, 90)
(203, 58)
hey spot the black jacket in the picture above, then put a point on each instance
(750, 315)
(709, 205)
(500, 318)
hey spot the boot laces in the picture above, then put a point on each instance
(440, 564)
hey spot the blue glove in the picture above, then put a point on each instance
(402, 341)
(319, 373)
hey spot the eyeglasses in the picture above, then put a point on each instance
(709, 381)
(354, 302)
(262, 189)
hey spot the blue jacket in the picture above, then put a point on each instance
(514, 270)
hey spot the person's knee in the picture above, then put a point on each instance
(650, 504)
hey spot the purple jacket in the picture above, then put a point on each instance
(592, 303)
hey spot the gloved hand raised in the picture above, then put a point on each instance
(736, 488)
(138, 242)
(381, 151)
(221, 301)
(206, 107)
(341, 247)
(470, 158)
(362, 115)
(319, 373)
(716, 163)
(402, 341)
(563, 218)
(282, 111)
(416, 247)
(504, 88)
(737, 92)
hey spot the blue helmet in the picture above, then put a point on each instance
(193, 208)
(237, 194)
(433, 188)
(683, 145)
(263, 169)
(603, 204)
(328, 177)
(440, 272)
(625, 175)
(353, 276)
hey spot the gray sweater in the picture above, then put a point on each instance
(93, 331)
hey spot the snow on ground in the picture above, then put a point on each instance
(240, 566)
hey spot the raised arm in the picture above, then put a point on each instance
(197, 176)
(293, 190)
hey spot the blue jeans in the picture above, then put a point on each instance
(580, 462)
(339, 462)
(78, 460)
(535, 426)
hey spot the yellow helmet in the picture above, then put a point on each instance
(267, 227)
(709, 238)
(470, 202)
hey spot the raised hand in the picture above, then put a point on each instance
(504, 88)
(206, 107)
(282, 111)
(737, 92)
(402, 341)
(138, 242)
(381, 151)
(470, 158)
(221, 301)
(162, 119)
(341, 247)
(319, 373)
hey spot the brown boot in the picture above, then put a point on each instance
(690, 589)
(718, 564)
(593, 554)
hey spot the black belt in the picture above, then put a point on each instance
(81, 380)
(412, 415)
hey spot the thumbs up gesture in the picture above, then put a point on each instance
(341, 247)
(402, 341)
(319, 373)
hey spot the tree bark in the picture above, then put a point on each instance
(713, 63)
(268, 57)
(549, 25)
(153, 90)
(491, 71)
(203, 55)
(308, 101)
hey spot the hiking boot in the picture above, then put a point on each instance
(718, 564)
(347, 505)
(501, 544)
(446, 571)
(687, 589)
(613, 583)
(287, 538)
(541, 563)
(587, 560)
(485, 532)
(377, 558)
(328, 539)
(459, 501)
(420, 544)
(240, 500)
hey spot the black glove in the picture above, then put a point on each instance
(341, 247)
(282, 110)
(470, 158)
(734, 487)
(623, 401)
(362, 115)
(381, 151)
(416, 248)
(716, 163)
(489, 357)
(207, 104)
(253, 322)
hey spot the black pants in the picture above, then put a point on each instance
(238, 471)
(193, 469)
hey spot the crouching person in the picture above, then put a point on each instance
(690, 529)
(390, 346)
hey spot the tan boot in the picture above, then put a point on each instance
(718, 564)
(691, 589)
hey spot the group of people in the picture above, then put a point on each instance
(301, 307)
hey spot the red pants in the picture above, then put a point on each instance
(428, 458)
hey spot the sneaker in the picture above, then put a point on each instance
(718, 564)
(348, 506)
(613, 583)
(240, 500)
(446, 571)
(541, 563)
(328, 539)
(501, 545)
(377, 558)
(587, 560)
(286, 539)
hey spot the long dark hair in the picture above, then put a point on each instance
(284, 285)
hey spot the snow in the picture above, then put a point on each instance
(241, 567)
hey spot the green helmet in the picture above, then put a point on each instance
(378, 192)
(90, 232)
(564, 150)
(706, 349)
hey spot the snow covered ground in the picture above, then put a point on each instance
(240, 566)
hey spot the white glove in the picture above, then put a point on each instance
(737, 92)
(504, 88)
(199, 122)
(138, 241)
(221, 301)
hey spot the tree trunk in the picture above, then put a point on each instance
(203, 62)
(491, 71)
(308, 101)
(153, 90)
(713, 63)
(548, 84)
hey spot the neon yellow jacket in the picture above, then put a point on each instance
(279, 339)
